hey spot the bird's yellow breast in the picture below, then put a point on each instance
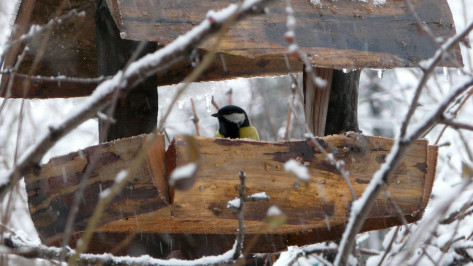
(245, 133)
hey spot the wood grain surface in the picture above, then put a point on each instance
(335, 34)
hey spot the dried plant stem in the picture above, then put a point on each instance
(195, 118)
(215, 104)
(241, 216)
(388, 248)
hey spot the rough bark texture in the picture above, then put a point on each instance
(138, 112)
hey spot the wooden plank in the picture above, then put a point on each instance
(336, 35)
(51, 194)
(348, 34)
(316, 99)
(200, 213)
(324, 200)
(137, 112)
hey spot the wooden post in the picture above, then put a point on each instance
(316, 99)
(137, 113)
(332, 109)
(342, 115)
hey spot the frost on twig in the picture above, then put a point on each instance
(363, 205)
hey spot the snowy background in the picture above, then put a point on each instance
(383, 101)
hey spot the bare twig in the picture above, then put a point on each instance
(289, 112)
(388, 248)
(428, 69)
(215, 104)
(230, 94)
(460, 214)
(421, 24)
(454, 114)
(36, 30)
(457, 124)
(241, 216)
(195, 118)
(10, 82)
(17, 246)
(398, 209)
(135, 73)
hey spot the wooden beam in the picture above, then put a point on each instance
(342, 112)
(51, 194)
(316, 99)
(335, 36)
(200, 213)
(138, 112)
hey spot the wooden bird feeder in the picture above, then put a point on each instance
(151, 217)
(336, 34)
(316, 211)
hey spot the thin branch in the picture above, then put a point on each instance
(398, 209)
(134, 74)
(390, 245)
(289, 112)
(241, 216)
(421, 24)
(20, 247)
(215, 104)
(363, 205)
(58, 79)
(428, 68)
(454, 114)
(36, 30)
(456, 124)
(10, 82)
(195, 118)
(460, 214)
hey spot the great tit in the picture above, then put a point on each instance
(233, 123)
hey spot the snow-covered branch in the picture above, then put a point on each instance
(125, 81)
(428, 67)
(20, 247)
(35, 30)
(363, 205)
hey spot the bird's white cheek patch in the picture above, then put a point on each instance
(235, 118)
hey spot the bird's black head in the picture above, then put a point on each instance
(231, 118)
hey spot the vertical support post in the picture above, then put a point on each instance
(342, 113)
(331, 109)
(316, 99)
(137, 113)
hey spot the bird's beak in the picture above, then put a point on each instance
(215, 115)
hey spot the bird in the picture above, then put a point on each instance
(233, 123)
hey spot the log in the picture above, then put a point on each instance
(51, 194)
(324, 200)
(198, 217)
(335, 35)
